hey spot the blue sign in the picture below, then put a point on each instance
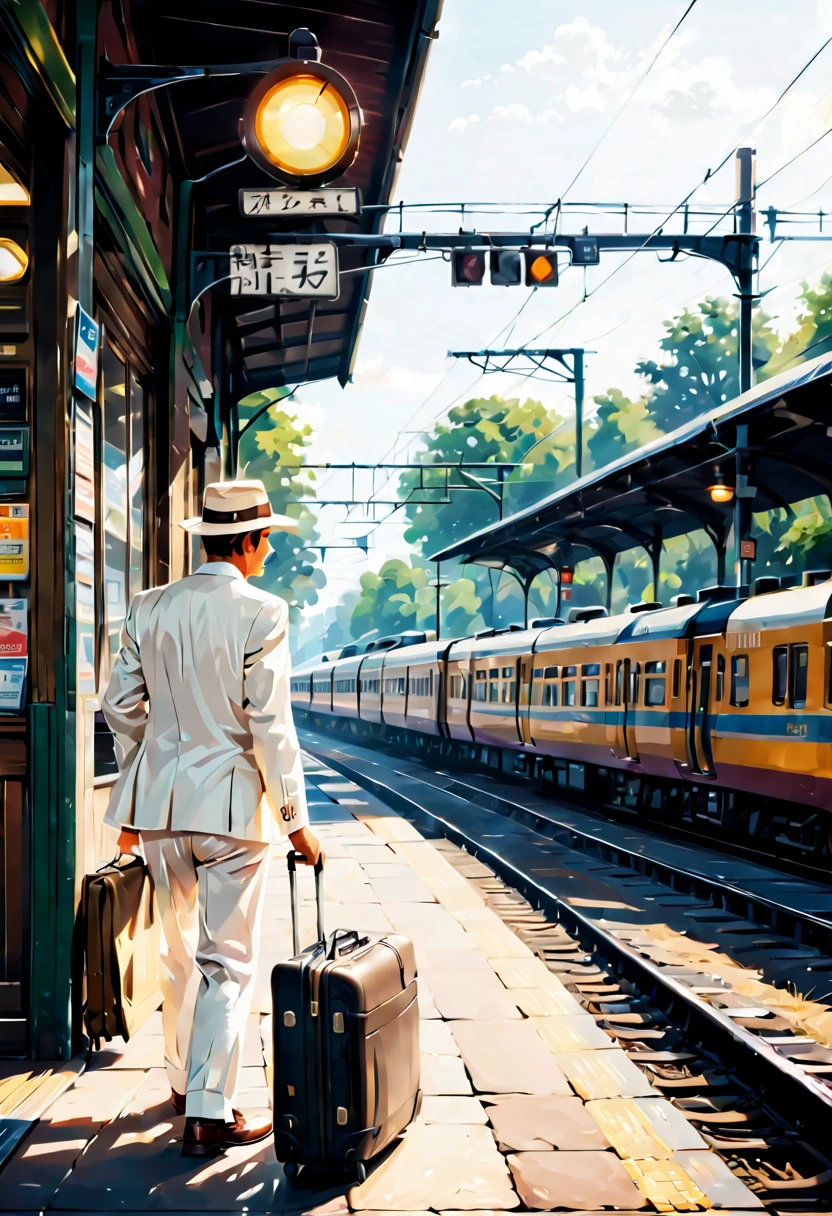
(12, 685)
(87, 336)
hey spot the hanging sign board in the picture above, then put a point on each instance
(13, 394)
(14, 629)
(283, 203)
(87, 338)
(84, 465)
(14, 541)
(304, 271)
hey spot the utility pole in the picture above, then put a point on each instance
(571, 360)
(439, 583)
(746, 183)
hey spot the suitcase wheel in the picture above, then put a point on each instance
(291, 1169)
(360, 1171)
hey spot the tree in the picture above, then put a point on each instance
(813, 336)
(272, 449)
(399, 597)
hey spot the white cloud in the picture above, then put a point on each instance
(459, 124)
(402, 380)
(523, 114)
(584, 99)
(470, 84)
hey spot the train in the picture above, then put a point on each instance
(715, 708)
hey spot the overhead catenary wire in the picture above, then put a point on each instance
(630, 97)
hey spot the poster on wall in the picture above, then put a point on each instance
(85, 609)
(86, 353)
(12, 685)
(14, 629)
(14, 541)
(84, 466)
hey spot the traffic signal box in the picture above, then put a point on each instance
(467, 268)
(509, 267)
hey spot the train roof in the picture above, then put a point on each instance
(781, 609)
(411, 656)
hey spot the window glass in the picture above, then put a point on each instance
(608, 683)
(720, 677)
(494, 688)
(115, 495)
(739, 680)
(654, 690)
(654, 667)
(780, 674)
(551, 673)
(798, 673)
(618, 682)
(136, 487)
(634, 682)
(589, 691)
(591, 669)
(508, 672)
(569, 689)
(677, 677)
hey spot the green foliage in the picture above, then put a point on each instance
(400, 597)
(273, 450)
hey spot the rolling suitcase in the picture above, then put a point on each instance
(346, 1045)
(117, 947)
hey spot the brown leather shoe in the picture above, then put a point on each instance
(178, 1101)
(210, 1137)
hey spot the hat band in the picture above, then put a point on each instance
(210, 516)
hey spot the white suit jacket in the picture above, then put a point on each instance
(200, 705)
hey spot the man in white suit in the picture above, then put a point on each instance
(199, 702)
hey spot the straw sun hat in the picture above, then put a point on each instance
(230, 507)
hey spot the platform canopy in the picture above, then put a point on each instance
(783, 428)
(380, 48)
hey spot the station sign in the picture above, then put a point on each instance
(13, 394)
(303, 271)
(285, 203)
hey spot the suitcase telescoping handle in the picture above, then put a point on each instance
(291, 860)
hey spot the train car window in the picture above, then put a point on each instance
(634, 683)
(798, 672)
(608, 683)
(538, 672)
(720, 676)
(618, 679)
(779, 674)
(513, 692)
(401, 687)
(508, 672)
(430, 683)
(589, 690)
(591, 669)
(677, 677)
(739, 680)
(550, 694)
(481, 687)
(655, 684)
(568, 697)
(551, 673)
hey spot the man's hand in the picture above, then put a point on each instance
(304, 842)
(128, 840)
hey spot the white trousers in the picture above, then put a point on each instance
(209, 891)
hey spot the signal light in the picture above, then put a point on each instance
(566, 583)
(505, 268)
(541, 268)
(467, 268)
(585, 251)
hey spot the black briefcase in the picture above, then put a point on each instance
(346, 1045)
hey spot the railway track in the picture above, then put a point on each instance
(744, 1070)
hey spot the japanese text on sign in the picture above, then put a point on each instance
(14, 541)
(285, 270)
(281, 203)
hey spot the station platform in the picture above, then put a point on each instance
(528, 1103)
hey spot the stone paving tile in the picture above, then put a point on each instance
(410, 890)
(508, 1057)
(542, 1002)
(578, 1181)
(436, 1039)
(452, 1109)
(439, 1166)
(567, 1033)
(534, 1123)
(427, 1009)
(490, 935)
(604, 1074)
(429, 926)
(715, 1179)
(454, 960)
(471, 995)
(444, 1075)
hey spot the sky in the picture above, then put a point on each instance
(515, 99)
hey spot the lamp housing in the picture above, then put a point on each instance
(720, 492)
(302, 124)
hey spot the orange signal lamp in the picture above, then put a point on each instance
(719, 491)
(541, 270)
(14, 261)
(566, 575)
(302, 123)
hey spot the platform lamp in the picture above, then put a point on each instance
(302, 123)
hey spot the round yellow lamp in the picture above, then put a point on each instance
(302, 124)
(719, 491)
(14, 261)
